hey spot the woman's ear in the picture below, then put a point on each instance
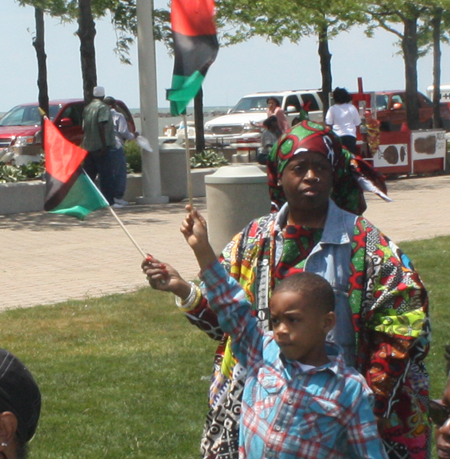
(8, 428)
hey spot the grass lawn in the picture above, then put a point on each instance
(126, 376)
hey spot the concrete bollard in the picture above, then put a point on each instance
(235, 195)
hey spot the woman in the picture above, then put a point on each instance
(382, 307)
(20, 406)
(343, 118)
(274, 109)
(269, 137)
(440, 415)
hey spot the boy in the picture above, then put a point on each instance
(299, 401)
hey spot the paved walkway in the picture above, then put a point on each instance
(48, 258)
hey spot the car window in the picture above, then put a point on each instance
(75, 113)
(293, 101)
(310, 102)
(382, 101)
(24, 115)
(251, 104)
(53, 111)
(397, 99)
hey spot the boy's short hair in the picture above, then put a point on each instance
(313, 286)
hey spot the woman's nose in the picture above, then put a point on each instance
(311, 175)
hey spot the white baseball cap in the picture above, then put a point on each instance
(99, 91)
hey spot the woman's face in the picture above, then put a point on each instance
(271, 105)
(443, 431)
(307, 181)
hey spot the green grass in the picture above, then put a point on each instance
(126, 376)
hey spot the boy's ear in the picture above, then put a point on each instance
(8, 427)
(329, 321)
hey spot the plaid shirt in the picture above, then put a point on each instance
(288, 411)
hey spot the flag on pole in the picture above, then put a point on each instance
(195, 46)
(68, 189)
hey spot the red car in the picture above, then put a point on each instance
(391, 111)
(20, 128)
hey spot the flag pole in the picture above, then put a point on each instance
(188, 160)
(119, 221)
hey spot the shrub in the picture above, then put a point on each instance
(208, 158)
(133, 155)
(13, 173)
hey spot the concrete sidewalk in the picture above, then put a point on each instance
(47, 258)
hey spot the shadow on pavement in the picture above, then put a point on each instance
(155, 214)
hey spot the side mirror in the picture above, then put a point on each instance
(65, 122)
(397, 106)
(291, 109)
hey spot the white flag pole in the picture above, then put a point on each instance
(119, 221)
(116, 216)
(188, 160)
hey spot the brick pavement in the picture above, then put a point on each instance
(50, 258)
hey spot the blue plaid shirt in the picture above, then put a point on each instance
(288, 411)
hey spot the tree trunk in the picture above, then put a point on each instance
(410, 55)
(199, 122)
(325, 67)
(436, 25)
(39, 45)
(86, 33)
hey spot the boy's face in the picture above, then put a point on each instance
(300, 328)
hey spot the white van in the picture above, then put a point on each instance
(243, 123)
(445, 93)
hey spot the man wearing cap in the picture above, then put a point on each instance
(99, 141)
(122, 133)
(20, 407)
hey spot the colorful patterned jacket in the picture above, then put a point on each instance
(389, 311)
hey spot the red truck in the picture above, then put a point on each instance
(20, 128)
(391, 111)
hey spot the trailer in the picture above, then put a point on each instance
(394, 153)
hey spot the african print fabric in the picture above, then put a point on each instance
(390, 316)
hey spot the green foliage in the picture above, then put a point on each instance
(12, 173)
(123, 19)
(208, 158)
(133, 155)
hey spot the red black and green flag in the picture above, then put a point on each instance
(195, 45)
(68, 189)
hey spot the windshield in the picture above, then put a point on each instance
(251, 104)
(26, 115)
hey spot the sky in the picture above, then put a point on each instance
(256, 65)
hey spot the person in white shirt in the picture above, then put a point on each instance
(122, 133)
(343, 117)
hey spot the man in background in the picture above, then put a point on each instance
(122, 133)
(99, 141)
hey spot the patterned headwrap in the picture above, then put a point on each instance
(350, 174)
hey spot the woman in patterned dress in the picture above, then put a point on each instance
(382, 305)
